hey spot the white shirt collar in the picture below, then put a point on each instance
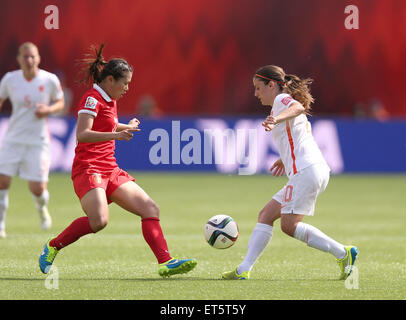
(102, 92)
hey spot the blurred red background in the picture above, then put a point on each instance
(197, 57)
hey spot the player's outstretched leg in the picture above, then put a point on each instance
(176, 266)
(168, 266)
(347, 262)
(259, 239)
(78, 228)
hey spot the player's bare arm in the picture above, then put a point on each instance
(294, 110)
(43, 110)
(84, 132)
(1, 103)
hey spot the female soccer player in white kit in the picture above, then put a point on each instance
(303, 163)
(34, 94)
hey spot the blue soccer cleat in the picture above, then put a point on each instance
(176, 266)
(47, 257)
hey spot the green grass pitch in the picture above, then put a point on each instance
(365, 210)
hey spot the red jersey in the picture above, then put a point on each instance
(97, 157)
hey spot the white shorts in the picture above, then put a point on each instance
(300, 193)
(30, 162)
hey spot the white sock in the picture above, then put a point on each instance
(260, 237)
(42, 200)
(3, 208)
(314, 238)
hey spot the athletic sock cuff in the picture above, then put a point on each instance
(150, 218)
(264, 227)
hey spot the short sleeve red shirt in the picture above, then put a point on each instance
(97, 157)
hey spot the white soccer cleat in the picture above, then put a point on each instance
(3, 234)
(46, 221)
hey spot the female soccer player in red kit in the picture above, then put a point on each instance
(97, 179)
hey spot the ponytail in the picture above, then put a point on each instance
(94, 69)
(298, 88)
(92, 65)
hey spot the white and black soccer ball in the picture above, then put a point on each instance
(221, 231)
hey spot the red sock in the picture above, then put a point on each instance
(152, 232)
(76, 229)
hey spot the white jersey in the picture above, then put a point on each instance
(294, 140)
(24, 127)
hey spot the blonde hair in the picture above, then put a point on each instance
(298, 88)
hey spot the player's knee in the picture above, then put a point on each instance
(262, 215)
(4, 182)
(268, 216)
(150, 210)
(98, 224)
(153, 209)
(37, 189)
(265, 217)
(288, 227)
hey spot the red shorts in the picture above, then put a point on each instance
(84, 182)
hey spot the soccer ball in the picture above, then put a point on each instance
(221, 231)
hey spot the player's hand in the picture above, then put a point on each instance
(269, 123)
(133, 125)
(41, 110)
(125, 134)
(267, 126)
(277, 169)
(271, 119)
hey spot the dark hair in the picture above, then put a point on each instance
(96, 69)
(298, 88)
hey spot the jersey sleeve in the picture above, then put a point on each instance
(286, 100)
(57, 92)
(89, 105)
(3, 87)
(282, 102)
